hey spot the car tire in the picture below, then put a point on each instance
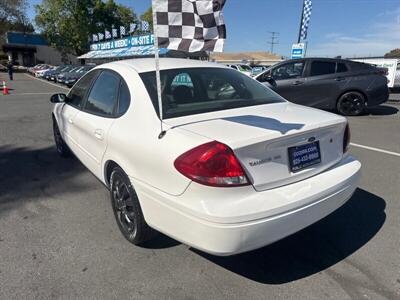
(351, 104)
(61, 146)
(127, 211)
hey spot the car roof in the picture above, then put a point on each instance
(142, 65)
(320, 58)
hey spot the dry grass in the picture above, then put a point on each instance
(250, 56)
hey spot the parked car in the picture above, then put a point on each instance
(257, 69)
(227, 172)
(40, 71)
(347, 86)
(60, 78)
(71, 78)
(53, 74)
(70, 73)
(245, 69)
(47, 75)
(43, 72)
(36, 67)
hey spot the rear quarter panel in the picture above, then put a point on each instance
(134, 144)
(372, 86)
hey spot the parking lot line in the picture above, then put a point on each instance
(375, 149)
(45, 81)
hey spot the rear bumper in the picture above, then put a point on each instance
(255, 220)
(378, 96)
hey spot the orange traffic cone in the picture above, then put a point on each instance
(5, 89)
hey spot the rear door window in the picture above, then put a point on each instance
(341, 68)
(322, 68)
(124, 98)
(77, 95)
(103, 96)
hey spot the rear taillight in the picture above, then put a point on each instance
(212, 164)
(346, 139)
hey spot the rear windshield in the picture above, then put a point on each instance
(200, 90)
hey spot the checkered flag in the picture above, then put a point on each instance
(95, 38)
(145, 26)
(132, 27)
(114, 32)
(101, 36)
(122, 31)
(305, 22)
(107, 34)
(190, 25)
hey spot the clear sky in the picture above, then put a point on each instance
(338, 27)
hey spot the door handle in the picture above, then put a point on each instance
(298, 82)
(98, 133)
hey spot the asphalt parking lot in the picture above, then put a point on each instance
(58, 237)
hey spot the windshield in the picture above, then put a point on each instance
(200, 90)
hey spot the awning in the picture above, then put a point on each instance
(123, 52)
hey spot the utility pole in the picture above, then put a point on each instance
(274, 40)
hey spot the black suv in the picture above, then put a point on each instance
(347, 86)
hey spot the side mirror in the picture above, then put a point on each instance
(58, 98)
(270, 79)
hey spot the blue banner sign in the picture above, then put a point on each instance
(128, 42)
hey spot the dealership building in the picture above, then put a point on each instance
(28, 49)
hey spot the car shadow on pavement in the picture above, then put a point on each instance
(313, 249)
(160, 241)
(27, 173)
(382, 110)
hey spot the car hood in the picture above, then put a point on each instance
(73, 75)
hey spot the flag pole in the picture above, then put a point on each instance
(301, 23)
(158, 76)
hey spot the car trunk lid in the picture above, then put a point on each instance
(260, 137)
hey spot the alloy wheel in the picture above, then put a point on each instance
(123, 206)
(352, 104)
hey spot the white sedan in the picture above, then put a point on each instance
(236, 167)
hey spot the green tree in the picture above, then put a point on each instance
(395, 53)
(68, 24)
(12, 11)
(13, 18)
(148, 16)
